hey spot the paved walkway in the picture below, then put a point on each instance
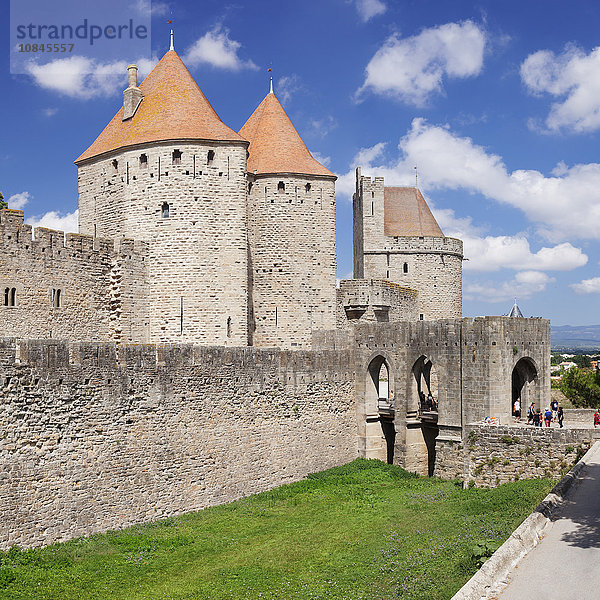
(565, 565)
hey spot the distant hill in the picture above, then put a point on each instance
(583, 337)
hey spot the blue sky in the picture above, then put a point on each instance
(497, 103)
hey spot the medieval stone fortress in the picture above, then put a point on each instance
(189, 346)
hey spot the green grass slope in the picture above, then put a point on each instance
(366, 530)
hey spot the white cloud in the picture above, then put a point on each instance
(216, 48)
(55, 220)
(524, 285)
(367, 9)
(18, 201)
(322, 127)
(563, 205)
(151, 7)
(286, 87)
(49, 112)
(84, 78)
(412, 69)
(587, 286)
(572, 76)
(324, 160)
(492, 253)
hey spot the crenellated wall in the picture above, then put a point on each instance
(98, 436)
(70, 286)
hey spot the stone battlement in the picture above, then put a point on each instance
(42, 240)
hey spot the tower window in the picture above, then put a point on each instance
(228, 327)
(56, 298)
(281, 187)
(165, 210)
(143, 161)
(405, 268)
(176, 157)
(115, 166)
(307, 187)
(210, 157)
(421, 317)
(250, 187)
(10, 296)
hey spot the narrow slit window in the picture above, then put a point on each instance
(249, 187)
(165, 210)
(228, 327)
(281, 188)
(210, 157)
(56, 298)
(307, 187)
(6, 296)
(143, 161)
(405, 268)
(13, 297)
(115, 166)
(176, 157)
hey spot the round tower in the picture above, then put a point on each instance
(167, 170)
(397, 238)
(291, 230)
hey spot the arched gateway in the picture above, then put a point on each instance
(524, 385)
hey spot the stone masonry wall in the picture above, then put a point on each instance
(433, 264)
(372, 300)
(292, 260)
(98, 436)
(102, 286)
(490, 455)
(198, 254)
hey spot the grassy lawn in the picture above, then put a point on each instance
(365, 530)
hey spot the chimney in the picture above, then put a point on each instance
(132, 96)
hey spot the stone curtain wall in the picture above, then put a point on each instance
(491, 455)
(102, 285)
(95, 438)
(292, 260)
(199, 253)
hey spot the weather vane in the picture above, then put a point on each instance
(270, 70)
(416, 176)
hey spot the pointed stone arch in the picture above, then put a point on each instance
(525, 385)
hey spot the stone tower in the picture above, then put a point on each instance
(291, 220)
(167, 170)
(397, 238)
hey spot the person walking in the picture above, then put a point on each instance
(517, 410)
(530, 413)
(560, 416)
(597, 418)
(548, 417)
(537, 418)
(554, 408)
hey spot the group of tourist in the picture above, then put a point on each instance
(537, 418)
(428, 403)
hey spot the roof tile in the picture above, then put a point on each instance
(406, 213)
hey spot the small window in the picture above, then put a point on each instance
(176, 157)
(115, 166)
(10, 296)
(56, 298)
(281, 187)
(165, 210)
(405, 268)
(228, 327)
(421, 317)
(6, 296)
(210, 157)
(250, 187)
(143, 161)
(307, 187)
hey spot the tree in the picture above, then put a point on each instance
(582, 388)
(2, 203)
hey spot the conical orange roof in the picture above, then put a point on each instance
(405, 213)
(173, 108)
(275, 146)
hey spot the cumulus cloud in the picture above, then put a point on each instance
(18, 201)
(85, 78)
(322, 127)
(49, 112)
(571, 76)
(217, 49)
(324, 160)
(413, 69)
(286, 87)
(54, 220)
(367, 9)
(563, 205)
(524, 285)
(587, 286)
